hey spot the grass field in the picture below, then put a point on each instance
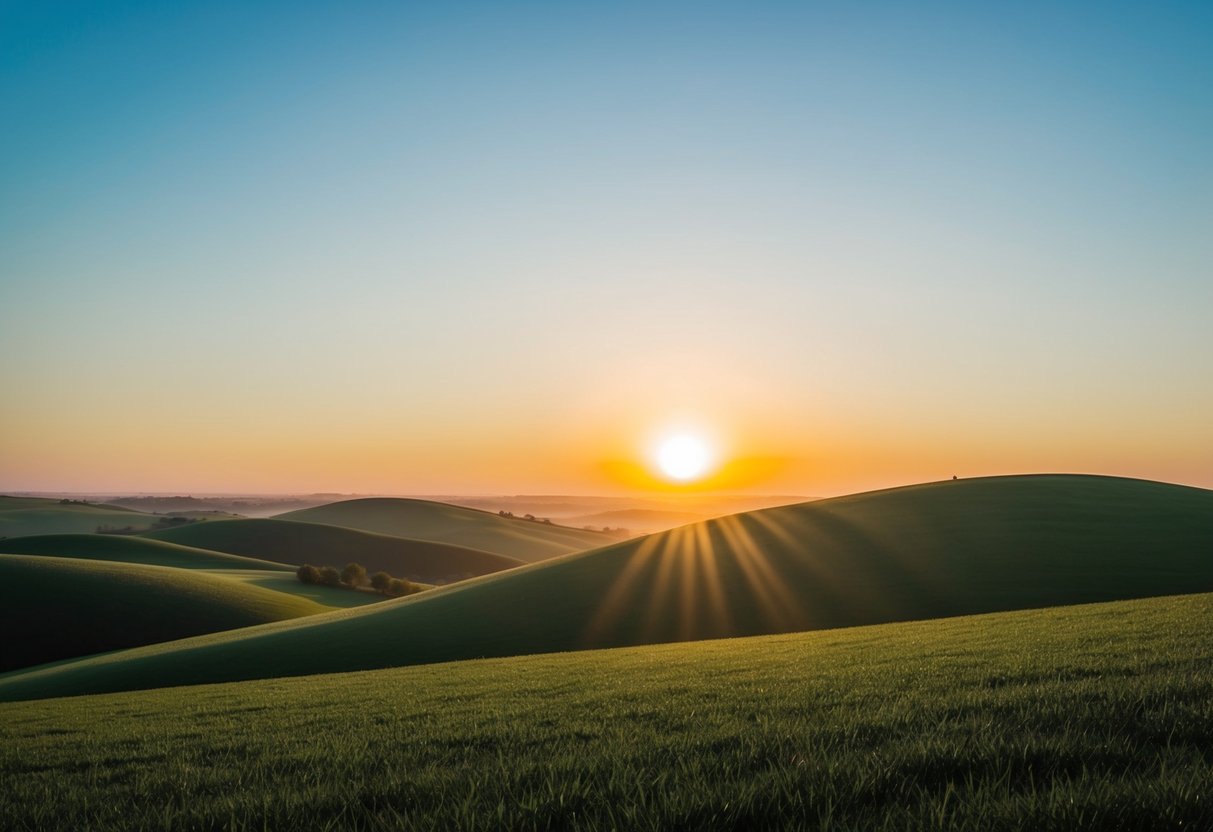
(922, 552)
(55, 608)
(329, 596)
(1094, 717)
(132, 549)
(21, 516)
(298, 543)
(513, 537)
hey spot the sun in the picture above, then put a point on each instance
(683, 458)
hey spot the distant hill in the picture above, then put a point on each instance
(57, 608)
(297, 543)
(638, 520)
(928, 551)
(132, 549)
(526, 540)
(22, 516)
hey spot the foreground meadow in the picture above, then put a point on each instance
(1086, 717)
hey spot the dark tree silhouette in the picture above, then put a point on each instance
(380, 582)
(353, 574)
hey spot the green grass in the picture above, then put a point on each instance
(1097, 717)
(922, 552)
(56, 608)
(424, 520)
(334, 597)
(131, 549)
(22, 516)
(298, 543)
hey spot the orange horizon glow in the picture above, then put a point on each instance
(829, 465)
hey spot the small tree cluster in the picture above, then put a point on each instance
(324, 576)
(385, 584)
(354, 576)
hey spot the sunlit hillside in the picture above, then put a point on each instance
(1096, 717)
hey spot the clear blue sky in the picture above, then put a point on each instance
(491, 247)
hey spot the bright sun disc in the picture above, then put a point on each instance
(683, 458)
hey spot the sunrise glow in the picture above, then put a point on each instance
(684, 458)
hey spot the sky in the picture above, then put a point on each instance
(416, 248)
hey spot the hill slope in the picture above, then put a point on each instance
(298, 543)
(22, 516)
(513, 537)
(918, 552)
(131, 549)
(1081, 718)
(639, 520)
(55, 608)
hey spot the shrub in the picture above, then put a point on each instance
(398, 587)
(330, 577)
(308, 574)
(353, 574)
(380, 582)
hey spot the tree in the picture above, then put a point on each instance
(399, 587)
(308, 574)
(353, 574)
(329, 577)
(380, 582)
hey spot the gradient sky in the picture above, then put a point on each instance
(500, 247)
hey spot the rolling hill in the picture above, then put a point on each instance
(132, 549)
(55, 608)
(638, 520)
(1094, 717)
(22, 516)
(514, 537)
(928, 551)
(333, 597)
(298, 543)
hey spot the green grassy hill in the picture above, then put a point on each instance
(911, 553)
(513, 537)
(132, 549)
(22, 516)
(1086, 718)
(329, 596)
(299, 543)
(55, 608)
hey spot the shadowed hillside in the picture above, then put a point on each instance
(526, 540)
(298, 543)
(55, 608)
(925, 551)
(131, 549)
